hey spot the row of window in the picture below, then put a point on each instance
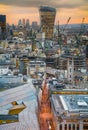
(37, 66)
(69, 127)
(85, 127)
(67, 92)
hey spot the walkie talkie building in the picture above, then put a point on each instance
(47, 18)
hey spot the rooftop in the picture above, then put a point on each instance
(47, 9)
(71, 103)
(78, 103)
(73, 56)
(8, 117)
(27, 118)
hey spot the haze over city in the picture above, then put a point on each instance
(14, 10)
(43, 65)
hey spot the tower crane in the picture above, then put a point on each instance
(66, 24)
(78, 36)
(82, 26)
(60, 34)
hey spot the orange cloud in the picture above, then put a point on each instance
(14, 13)
(76, 15)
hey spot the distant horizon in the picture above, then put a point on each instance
(19, 9)
(72, 21)
(54, 24)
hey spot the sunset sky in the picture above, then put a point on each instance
(29, 9)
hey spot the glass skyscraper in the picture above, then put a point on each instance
(47, 18)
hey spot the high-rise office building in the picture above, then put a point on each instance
(23, 21)
(0, 30)
(86, 51)
(27, 23)
(3, 22)
(47, 18)
(34, 24)
(19, 22)
(3, 25)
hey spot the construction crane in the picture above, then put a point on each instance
(59, 35)
(78, 36)
(60, 40)
(66, 24)
(82, 26)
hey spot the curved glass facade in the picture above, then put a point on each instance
(47, 8)
(47, 18)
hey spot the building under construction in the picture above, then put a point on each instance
(73, 64)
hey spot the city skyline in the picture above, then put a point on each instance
(19, 9)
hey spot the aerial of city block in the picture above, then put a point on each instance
(43, 66)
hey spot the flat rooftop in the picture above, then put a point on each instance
(71, 103)
(8, 117)
(27, 118)
(47, 9)
(77, 103)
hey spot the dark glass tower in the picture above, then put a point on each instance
(86, 51)
(3, 25)
(47, 18)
